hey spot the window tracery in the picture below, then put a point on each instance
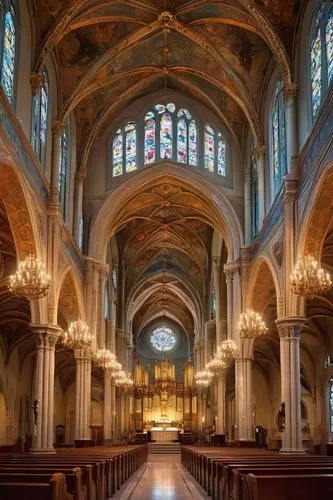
(8, 48)
(278, 137)
(321, 55)
(163, 339)
(169, 133)
(64, 170)
(40, 113)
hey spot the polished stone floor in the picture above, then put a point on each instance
(162, 478)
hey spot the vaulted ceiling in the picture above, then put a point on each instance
(110, 53)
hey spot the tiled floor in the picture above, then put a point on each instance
(162, 478)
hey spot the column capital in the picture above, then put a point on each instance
(57, 127)
(80, 176)
(81, 354)
(216, 262)
(290, 90)
(230, 268)
(46, 336)
(290, 327)
(36, 82)
(259, 151)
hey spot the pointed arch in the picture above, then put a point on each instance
(263, 280)
(69, 295)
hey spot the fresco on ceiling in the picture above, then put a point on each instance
(282, 14)
(120, 9)
(80, 48)
(47, 11)
(214, 10)
(246, 53)
(149, 52)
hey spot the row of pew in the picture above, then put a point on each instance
(234, 474)
(73, 474)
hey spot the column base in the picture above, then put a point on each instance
(292, 451)
(48, 451)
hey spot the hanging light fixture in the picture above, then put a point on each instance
(123, 380)
(78, 335)
(30, 280)
(251, 325)
(203, 378)
(308, 278)
(216, 364)
(227, 351)
(106, 359)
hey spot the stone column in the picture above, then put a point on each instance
(229, 273)
(107, 404)
(243, 385)
(259, 152)
(122, 413)
(46, 339)
(217, 285)
(101, 314)
(290, 96)
(57, 130)
(220, 421)
(290, 332)
(83, 393)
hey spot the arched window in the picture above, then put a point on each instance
(331, 405)
(255, 196)
(8, 48)
(39, 117)
(213, 304)
(168, 133)
(124, 149)
(321, 55)
(64, 170)
(278, 137)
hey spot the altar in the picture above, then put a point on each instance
(164, 434)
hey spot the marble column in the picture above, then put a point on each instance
(78, 197)
(229, 270)
(290, 332)
(83, 393)
(218, 312)
(46, 339)
(259, 152)
(107, 404)
(243, 384)
(57, 130)
(220, 421)
(290, 96)
(247, 206)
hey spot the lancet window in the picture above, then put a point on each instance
(321, 55)
(278, 136)
(40, 114)
(167, 132)
(64, 170)
(8, 47)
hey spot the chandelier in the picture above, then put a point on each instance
(203, 378)
(308, 279)
(250, 325)
(227, 351)
(30, 280)
(123, 380)
(78, 335)
(106, 359)
(216, 365)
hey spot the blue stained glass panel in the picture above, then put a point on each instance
(316, 84)
(8, 57)
(275, 140)
(43, 115)
(63, 171)
(163, 339)
(209, 148)
(35, 121)
(221, 157)
(185, 112)
(192, 146)
(166, 136)
(117, 153)
(329, 46)
(149, 137)
(182, 141)
(130, 144)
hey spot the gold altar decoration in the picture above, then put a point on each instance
(308, 278)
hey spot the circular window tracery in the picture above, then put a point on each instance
(163, 339)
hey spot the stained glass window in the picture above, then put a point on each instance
(278, 137)
(63, 170)
(209, 148)
(213, 304)
(166, 136)
(329, 46)
(117, 153)
(331, 404)
(130, 144)
(39, 125)
(9, 51)
(182, 141)
(192, 146)
(149, 137)
(163, 339)
(221, 156)
(184, 112)
(321, 55)
(81, 233)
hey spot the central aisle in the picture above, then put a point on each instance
(162, 477)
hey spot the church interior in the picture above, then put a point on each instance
(166, 249)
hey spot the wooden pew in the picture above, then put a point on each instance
(293, 487)
(55, 488)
